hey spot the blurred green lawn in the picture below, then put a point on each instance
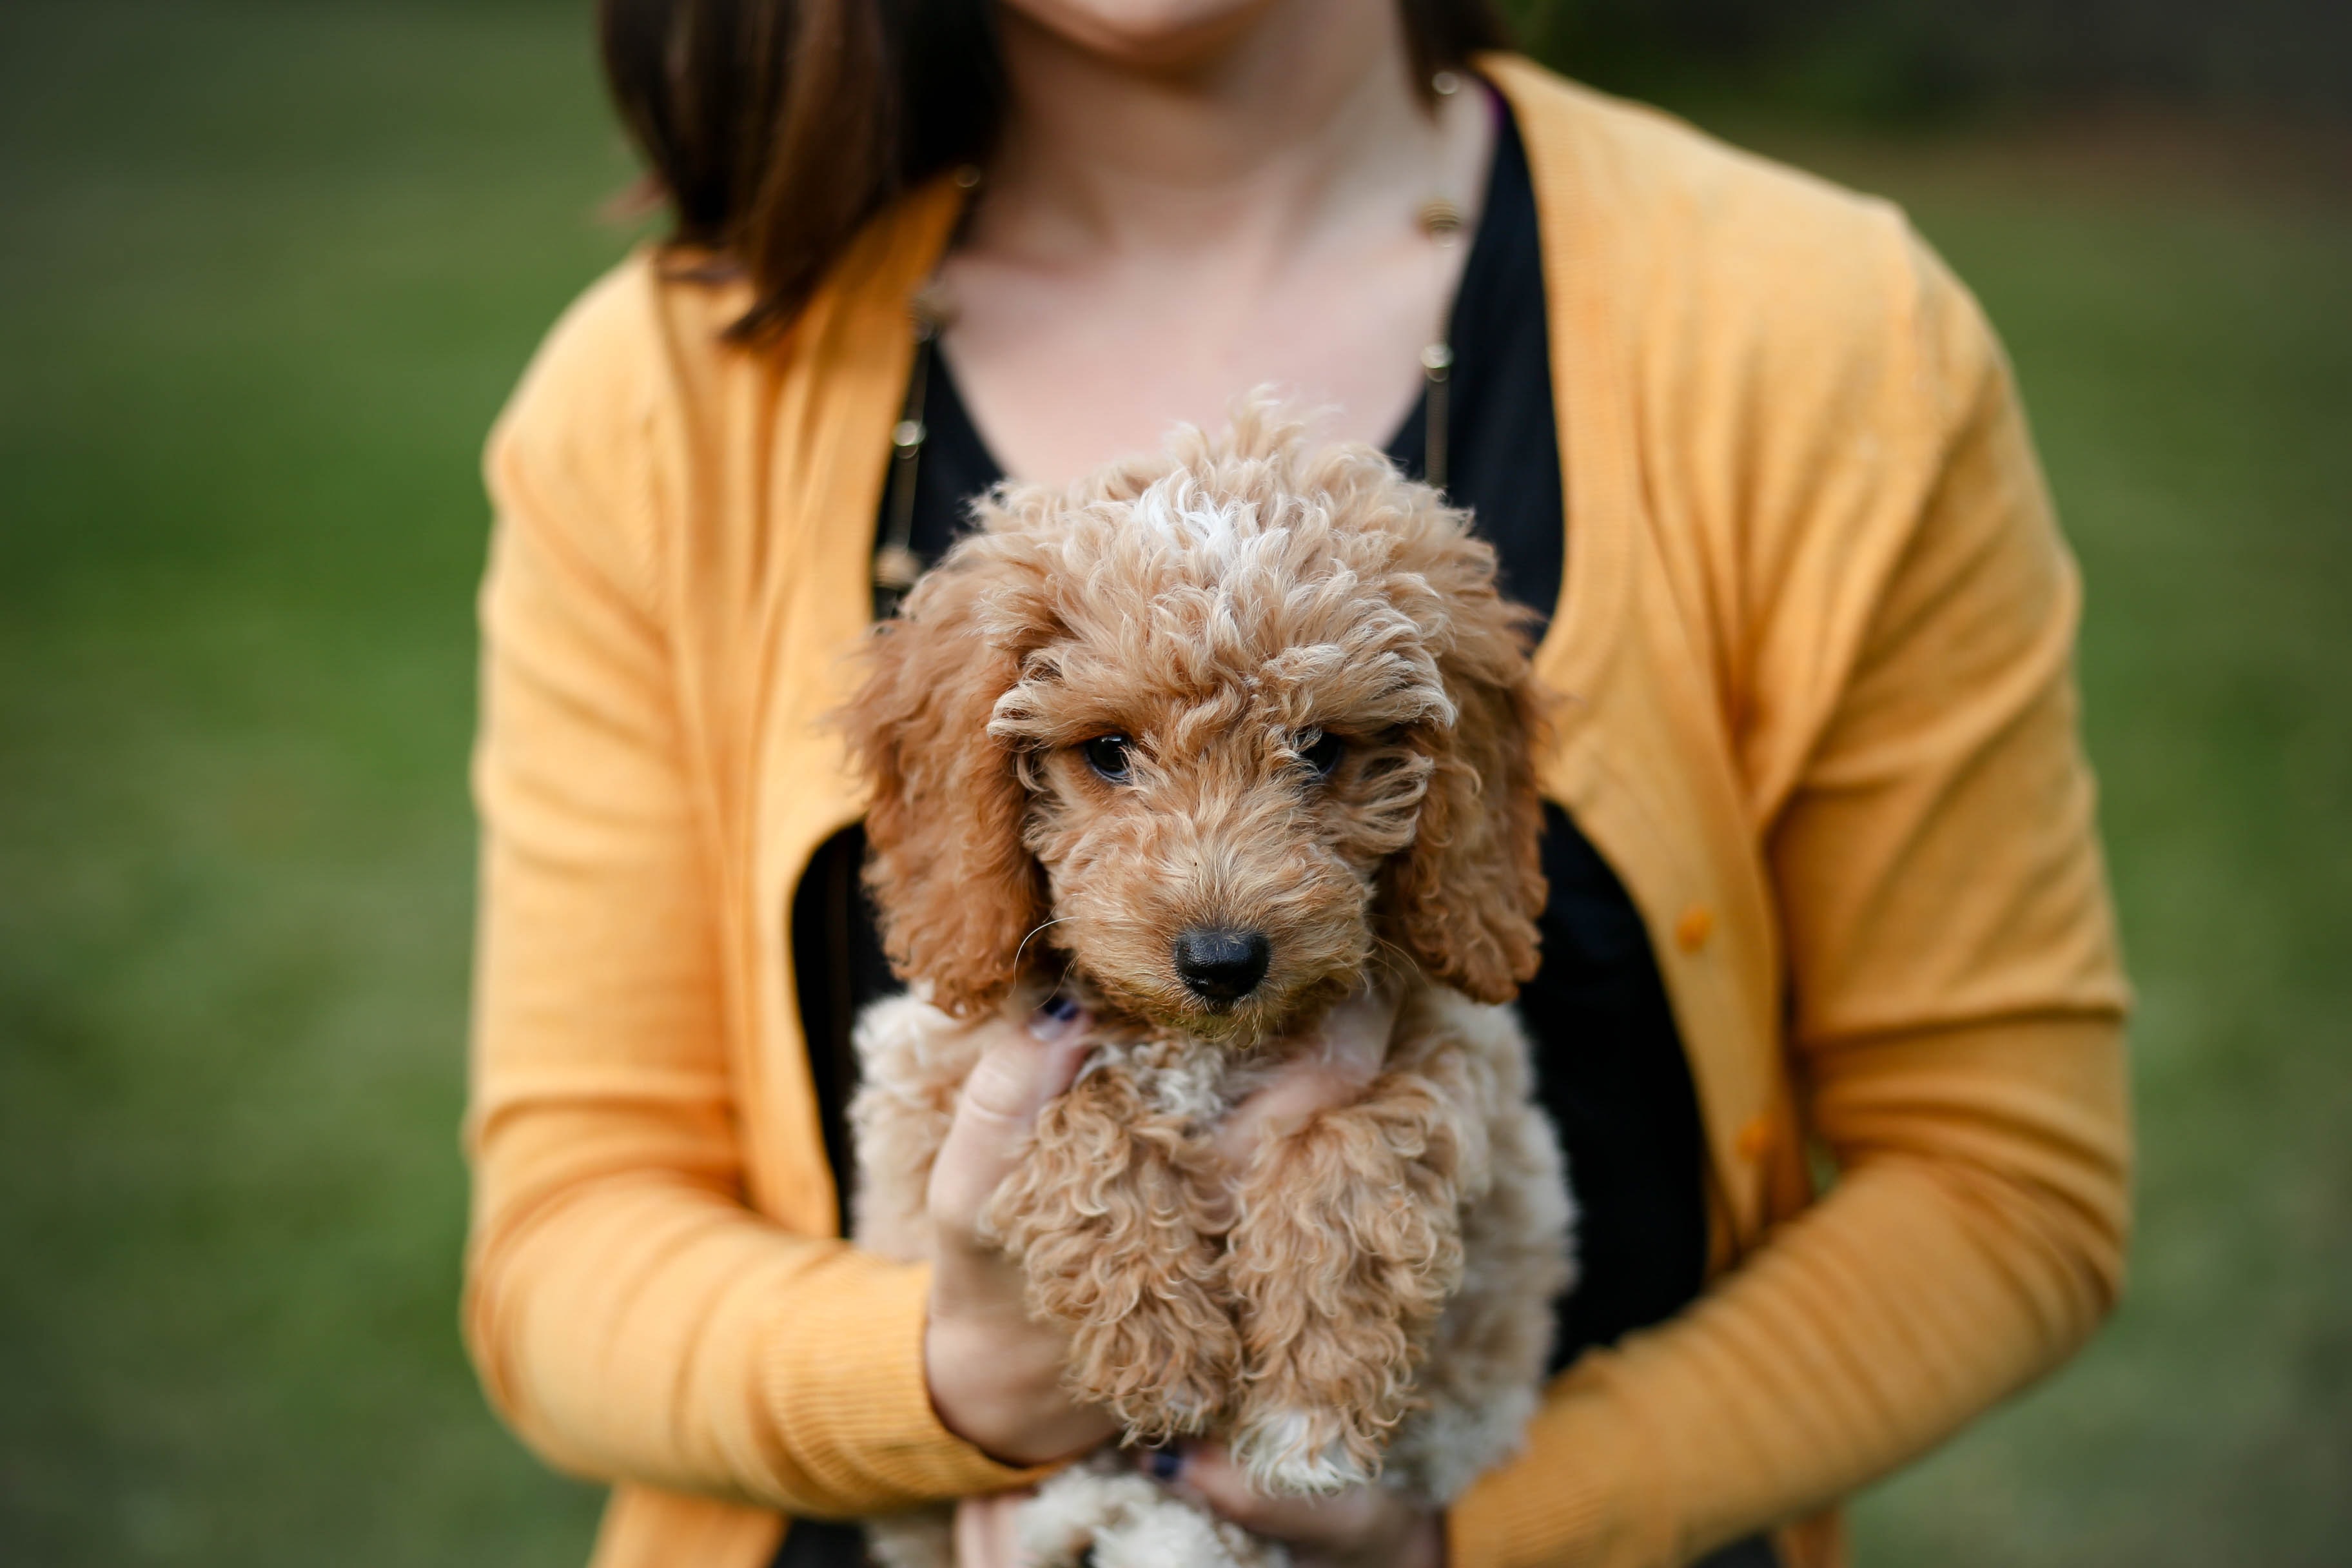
(266, 271)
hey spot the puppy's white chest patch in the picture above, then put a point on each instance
(1182, 1077)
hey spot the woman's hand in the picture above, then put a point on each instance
(995, 1375)
(1342, 1058)
(986, 1534)
(1363, 1527)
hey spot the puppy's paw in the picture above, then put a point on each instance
(1302, 1453)
(1106, 1217)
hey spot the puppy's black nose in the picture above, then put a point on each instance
(1221, 965)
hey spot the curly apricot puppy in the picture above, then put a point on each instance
(1211, 741)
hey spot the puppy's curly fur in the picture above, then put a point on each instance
(1247, 686)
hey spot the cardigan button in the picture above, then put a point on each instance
(1695, 926)
(1755, 1138)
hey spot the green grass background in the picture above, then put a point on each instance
(266, 272)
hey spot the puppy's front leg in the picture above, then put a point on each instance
(1348, 1243)
(1105, 1216)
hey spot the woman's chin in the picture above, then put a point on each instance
(1154, 36)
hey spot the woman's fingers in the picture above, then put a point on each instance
(1210, 1474)
(985, 1535)
(1369, 1525)
(1299, 1090)
(1353, 1036)
(1017, 1073)
(994, 1373)
(1022, 1069)
(1338, 1063)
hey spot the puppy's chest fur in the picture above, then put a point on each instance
(1194, 1081)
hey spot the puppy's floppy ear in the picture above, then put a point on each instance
(1466, 895)
(956, 891)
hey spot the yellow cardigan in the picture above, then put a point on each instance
(1814, 648)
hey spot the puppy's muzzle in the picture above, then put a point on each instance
(1220, 966)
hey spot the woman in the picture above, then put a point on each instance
(1825, 879)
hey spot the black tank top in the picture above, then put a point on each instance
(1609, 1061)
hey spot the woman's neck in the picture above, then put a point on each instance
(1165, 227)
(1299, 116)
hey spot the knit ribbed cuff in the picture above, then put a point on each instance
(1556, 1522)
(846, 1385)
(1576, 1497)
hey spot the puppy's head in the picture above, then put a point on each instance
(1215, 731)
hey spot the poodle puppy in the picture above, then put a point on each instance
(1208, 741)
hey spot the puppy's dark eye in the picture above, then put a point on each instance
(1321, 751)
(1107, 755)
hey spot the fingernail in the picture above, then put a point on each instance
(1165, 1465)
(1056, 1018)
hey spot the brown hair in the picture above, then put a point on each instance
(775, 129)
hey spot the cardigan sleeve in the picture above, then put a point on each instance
(631, 1315)
(1955, 999)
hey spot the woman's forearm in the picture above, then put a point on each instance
(1975, 1239)
(636, 1328)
